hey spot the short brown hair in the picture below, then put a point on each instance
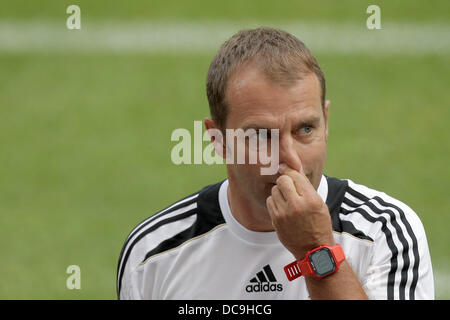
(282, 57)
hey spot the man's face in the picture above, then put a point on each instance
(255, 102)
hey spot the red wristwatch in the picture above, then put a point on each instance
(318, 263)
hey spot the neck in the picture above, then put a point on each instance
(250, 214)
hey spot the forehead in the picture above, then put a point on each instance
(253, 98)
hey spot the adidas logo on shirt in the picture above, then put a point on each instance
(264, 281)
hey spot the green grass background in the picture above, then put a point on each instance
(85, 138)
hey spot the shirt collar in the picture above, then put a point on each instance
(253, 236)
(322, 190)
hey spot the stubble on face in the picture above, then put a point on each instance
(254, 101)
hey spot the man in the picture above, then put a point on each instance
(232, 240)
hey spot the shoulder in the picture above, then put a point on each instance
(389, 213)
(397, 233)
(169, 228)
(362, 205)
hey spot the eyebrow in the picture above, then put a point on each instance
(314, 120)
(256, 127)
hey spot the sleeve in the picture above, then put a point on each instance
(141, 281)
(400, 267)
(129, 289)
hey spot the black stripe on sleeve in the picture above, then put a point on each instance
(405, 245)
(389, 240)
(155, 216)
(348, 227)
(144, 233)
(403, 241)
(336, 193)
(209, 216)
(161, 213)
(415, 246)
(124, 255)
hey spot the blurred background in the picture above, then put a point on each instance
(86, 118)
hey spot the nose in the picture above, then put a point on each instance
(288, 154)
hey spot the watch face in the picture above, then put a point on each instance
(322, 262)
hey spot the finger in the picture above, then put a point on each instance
(301, 182)
(271, 207)
(283, 166)
(278, 198)
(287, 188)
(297, 179)
(301, 168)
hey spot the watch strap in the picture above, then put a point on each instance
(303, 267)
(292, 270)
(338, 254)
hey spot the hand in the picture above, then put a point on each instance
(299, 215)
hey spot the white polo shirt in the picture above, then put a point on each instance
(196, 249)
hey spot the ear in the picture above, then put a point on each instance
(325, 113)
(216, 137)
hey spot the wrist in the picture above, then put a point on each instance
(300, 254)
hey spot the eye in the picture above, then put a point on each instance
(306, 129)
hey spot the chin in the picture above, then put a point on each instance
(267, 192)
